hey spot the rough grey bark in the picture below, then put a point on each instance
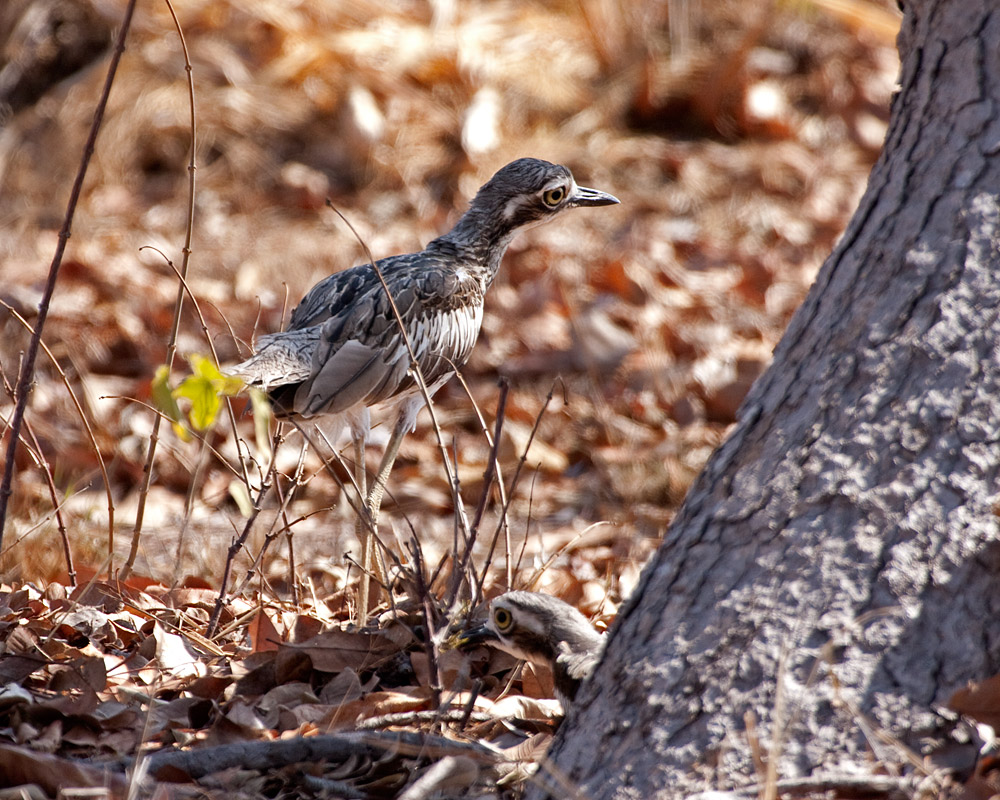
(833, 570)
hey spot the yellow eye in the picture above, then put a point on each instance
(503, 619)
(553, 197)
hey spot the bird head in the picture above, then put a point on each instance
(529, 190)
(538, 628)
(522, 194)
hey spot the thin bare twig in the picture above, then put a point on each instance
(195, 481)
(43, 462)
(430, 623)
(83, 418)
(492, 467)
(200, 437)
(537, 574)
(154, 436)
(23, 389)
(35, 451)
(211, 346)
(513, 484)
(237, 545)
(501, 487)
(491, 474)
(38, 525)
(284, 498)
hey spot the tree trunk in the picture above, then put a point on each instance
(831, 578)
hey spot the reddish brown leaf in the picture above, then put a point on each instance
(981, 701)
(263, 635)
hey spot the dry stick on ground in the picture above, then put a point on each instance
(846, 785)
(401, 718)
(27, 372)
(83, 418)
(313, 749)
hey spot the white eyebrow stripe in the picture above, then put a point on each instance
(513, 205)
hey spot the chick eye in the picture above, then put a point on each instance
(553, 197)
(503, 619)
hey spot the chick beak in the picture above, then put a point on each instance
(475, 636)
(583, 196)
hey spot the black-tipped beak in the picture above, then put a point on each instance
(591, 197)
(470, 637)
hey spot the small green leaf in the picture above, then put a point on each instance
(205, 401)
(205, 388)
(165, 401)
(205, 368)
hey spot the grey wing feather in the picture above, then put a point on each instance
(343, 346)
(349, 375)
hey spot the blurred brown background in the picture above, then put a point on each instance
(738, 136)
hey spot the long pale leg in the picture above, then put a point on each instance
(377, 491)
(362, 530)
(404, 424)
(360, 423)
